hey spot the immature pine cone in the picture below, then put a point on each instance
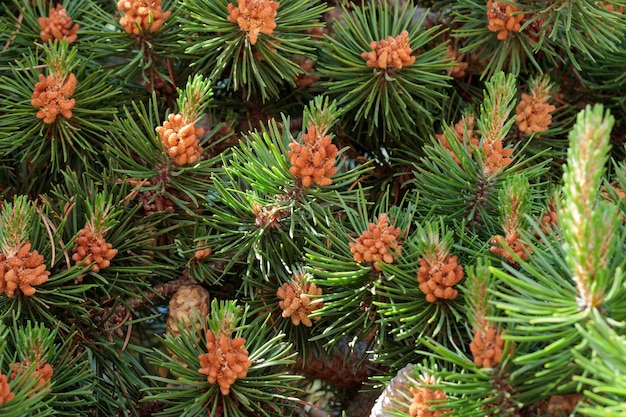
(5, 390)
(52, 96)
(226, 361)
(533, 111)
(390, 53)
(342, 366)
(394, 394)
(93, 249)
(188, 301)
(377, 244)
(423, 398)
(139, 13)
(487, 347)
(58, 26)
(159, 203)
(295, 301)
(180, 139)
(25, 270)
(501, 18)
(563, 405)
(438, 276)
(254, 17)
(313, 161)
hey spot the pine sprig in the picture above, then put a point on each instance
(396, 103)
(151, 61)
(467, 187)
(405, 314)
(70, 386)
(58, 290)
(495, 122)
(516, 201)
(255, 195)
(270, 209)
(321, 113)
(542, 315)
(193, 101)
(63, 141)
(588, 251)
(15, 220)
(516, 204)
(105, 208)
(520, 52)
(596, 21)
(477, 291)
(266, 390)
(350, 286)
(259, 67)
(141, 157)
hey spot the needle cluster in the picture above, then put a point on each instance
(180, 139)
(487, 347)
(53, 97)
(503, 18)
(379, 243)
(92, 248)
(23, 270)
(297, 303)
(142, 15)
(534, 112)
(254, 17)
(438, 275)
(390, 53)
(58, 26)
(423, 398)
(226, 360)
(5, 390)
(314, 160)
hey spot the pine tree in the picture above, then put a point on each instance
(288, 208)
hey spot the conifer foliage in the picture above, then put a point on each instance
(283, 208)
